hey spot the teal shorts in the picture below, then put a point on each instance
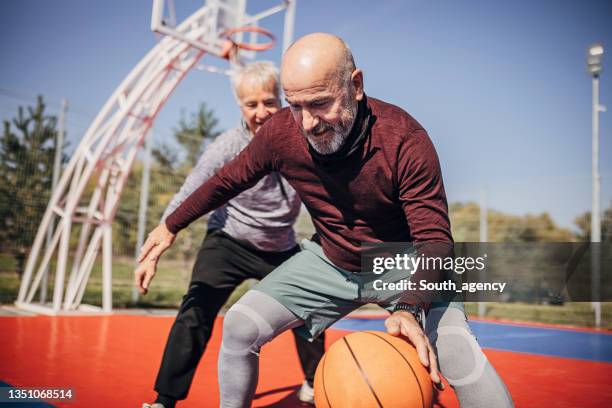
(320, 293)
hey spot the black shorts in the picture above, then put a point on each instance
(224, 262)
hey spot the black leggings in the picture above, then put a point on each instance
(221, 265)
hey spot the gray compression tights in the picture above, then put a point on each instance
(253, 321)
(462, 362)
(257, 318)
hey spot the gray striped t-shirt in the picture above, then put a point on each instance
(261, 215)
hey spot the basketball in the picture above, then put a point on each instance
(372, 369)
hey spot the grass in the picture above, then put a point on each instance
(172, 279)
(572, 314)
(167, 288)
(171, 282)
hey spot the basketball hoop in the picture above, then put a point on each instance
(113, 140)
(231, 47)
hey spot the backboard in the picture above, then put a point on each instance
(216, 17)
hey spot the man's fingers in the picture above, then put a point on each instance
(157, 251)
(422, 351)
(146, 248)
(428, 359)
(415, 335)
(150, 270)
(143, 275)
(139, 274)
(433, 371)
(417, 338)
(392, 326)
(147, 280)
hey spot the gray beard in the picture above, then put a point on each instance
(327, 146)
(341, 132)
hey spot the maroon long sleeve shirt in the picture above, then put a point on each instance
(391, 190)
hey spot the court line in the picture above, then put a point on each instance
(555, 342)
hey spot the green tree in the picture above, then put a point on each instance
(167, 175)
(502, 227)
(191, 134)
(583, 222)
(27, 151)
(165, 156)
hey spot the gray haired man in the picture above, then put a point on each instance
(247, 238)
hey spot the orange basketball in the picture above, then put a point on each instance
(369, 370)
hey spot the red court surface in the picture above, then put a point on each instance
(112, 361)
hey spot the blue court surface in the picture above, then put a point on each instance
(548, 341)
(542, 366)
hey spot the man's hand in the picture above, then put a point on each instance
(403, 323)
(157, 242)
(143, 275)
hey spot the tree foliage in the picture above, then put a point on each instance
(167, 174)
(465, 222)
(27, 151)
(583, 222)
(191, 135)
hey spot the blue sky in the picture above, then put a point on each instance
(500, 86)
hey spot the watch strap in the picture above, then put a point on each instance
(415, 310)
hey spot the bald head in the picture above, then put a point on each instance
(317, 57)
(323, 89)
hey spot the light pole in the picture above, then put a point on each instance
(594, 67)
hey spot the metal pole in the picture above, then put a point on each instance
(595, 211)
(142, 209)
(57, 169)
(484, 237)
(596, 216)
(289, 24)
(107, 266)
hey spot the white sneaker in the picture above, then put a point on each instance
(154, 405)
(306, 393)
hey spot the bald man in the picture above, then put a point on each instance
(368, 173)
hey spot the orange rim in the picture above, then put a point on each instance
(250, 29)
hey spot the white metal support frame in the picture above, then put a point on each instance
(86, 198)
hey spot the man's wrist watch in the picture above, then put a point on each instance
(415, 310)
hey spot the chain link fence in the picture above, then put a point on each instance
(175, 267)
